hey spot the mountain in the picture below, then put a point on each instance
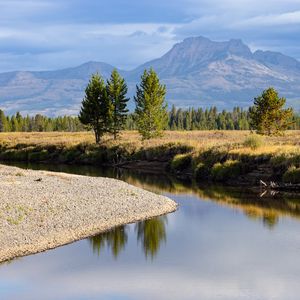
(197, 72)
(202, 72)
(48, 92)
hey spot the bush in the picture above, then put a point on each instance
(181, 162)
(292, 175)
(212, 156)
(253, 141)
(230, 169)
(201, 171)
(38, 156)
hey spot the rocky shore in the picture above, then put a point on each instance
(40, 210)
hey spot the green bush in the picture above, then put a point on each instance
(286, 159)
(292, 175)
(230, 169)
(253, 141)
(212, 156)
(181, 162)
(201, 171)
(38, 156)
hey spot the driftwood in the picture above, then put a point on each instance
(289, 187)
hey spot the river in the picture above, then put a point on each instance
(222, 243)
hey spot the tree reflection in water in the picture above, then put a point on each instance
(150, 233)
(267, 209)
(114, 239)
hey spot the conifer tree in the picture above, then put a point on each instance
(116, 92)
(172, 118)
(151, 108)
(3, 122)
(268, 116)
(96, 110)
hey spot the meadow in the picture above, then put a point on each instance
(197, 139)
(216, 155)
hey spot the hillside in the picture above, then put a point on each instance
(197, 72)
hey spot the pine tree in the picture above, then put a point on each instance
(116, 91)
(95, 109)
(268, 116)
(3, 122)
(172, 118)
(19, 122)
(151, 108)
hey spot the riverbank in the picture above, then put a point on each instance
(40, 210)
(232, 157)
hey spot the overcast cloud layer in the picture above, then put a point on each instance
(44, 34)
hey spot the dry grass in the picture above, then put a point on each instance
(204, 154)
(197, 139)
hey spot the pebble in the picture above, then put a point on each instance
(41, 210)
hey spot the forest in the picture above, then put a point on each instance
(178, 119)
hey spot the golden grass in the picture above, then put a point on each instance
(267, 149)
(199, 140)
(290, 142)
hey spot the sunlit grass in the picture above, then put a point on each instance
(196, 139)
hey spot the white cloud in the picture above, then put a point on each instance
(54, 34)
(290, 18)
(64, 45)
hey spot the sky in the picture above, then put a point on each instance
(54, 34)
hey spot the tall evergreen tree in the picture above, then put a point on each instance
(96, 110)
(3, 121)
(268, 115)
(172, 118)
(151, 108)
(116, 91)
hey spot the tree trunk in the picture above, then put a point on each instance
(97, 137)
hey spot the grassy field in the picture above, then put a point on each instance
(215, 154)
(195, 139)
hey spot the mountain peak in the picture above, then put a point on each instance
(237, 47)
(198, 39)
(203, 47)
(196, 52)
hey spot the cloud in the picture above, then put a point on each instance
(62, 33)
(78, 43)
(270, 20)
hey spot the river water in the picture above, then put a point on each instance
(222, 243)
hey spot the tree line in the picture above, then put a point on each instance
(41, 123)
(104, 110)
(178, 119)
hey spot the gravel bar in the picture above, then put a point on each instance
(41, 210)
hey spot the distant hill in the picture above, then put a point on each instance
(197, 72)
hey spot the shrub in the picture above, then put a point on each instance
(201, 171)
(38, 155)
(181, 162)
(253, 141)
(228, 170)
(292, 175)
(212, 156)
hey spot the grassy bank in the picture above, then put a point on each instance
(225, 156)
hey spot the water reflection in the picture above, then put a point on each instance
(150, 233)
(213, 251)
(267, 209)
(114, 239)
